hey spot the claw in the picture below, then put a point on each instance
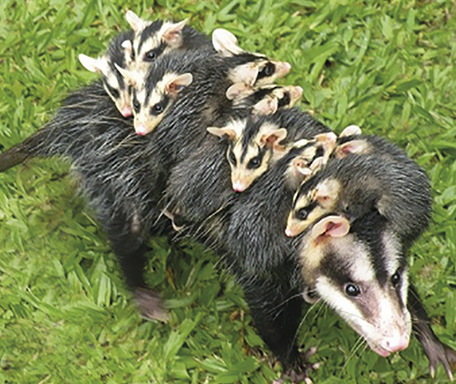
(150, 305)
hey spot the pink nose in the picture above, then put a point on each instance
(141, 130)
(238, 186)
(288, 232)
(287, 67)
(396, 344)
(126, 112)
(299, 91)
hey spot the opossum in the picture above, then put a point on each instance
(155, 38)
(257, 142)
(117, 175)
(353, 185)
(113, 81)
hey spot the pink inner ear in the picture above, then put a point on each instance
(335, 229)
(271, 139)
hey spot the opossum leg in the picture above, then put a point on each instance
(436, 351)
(128, 245)
(277, 312)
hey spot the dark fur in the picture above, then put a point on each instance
(367, 179)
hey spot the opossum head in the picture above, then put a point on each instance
(152, 100)
(114, 82)
(312, 157)
(254, 71)
(310, 204)
(254, 146)
(250, 69)
(153, 39)
(362, 274)
(275, 98)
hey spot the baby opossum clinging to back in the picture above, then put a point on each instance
(399, 190)
(155, 38)
(113, 81)
(257, 143)
(136, 49)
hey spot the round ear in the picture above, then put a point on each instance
(295, 94)
(267, 106)
(225, 43)
(178, 83)
(328, 142)
(273, 137)
(173, 34)
(220, 132)
(99, 65)
(136, 23)
(330, 226)
(358, 147)
(238, 90)
(351, 130)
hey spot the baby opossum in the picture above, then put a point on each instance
(152, 96)
(155, 38)
(257, 142)
(268, 99)
(113, 81)
(399, 190)
(255, 71)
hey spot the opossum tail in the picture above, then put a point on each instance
(33, 146)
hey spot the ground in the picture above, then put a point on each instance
(65, 313)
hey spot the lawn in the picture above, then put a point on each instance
(65, 313)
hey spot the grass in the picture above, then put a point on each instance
(65, 314)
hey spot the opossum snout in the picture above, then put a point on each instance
(239, 186)
(126, 112)
(397, 343)
(392, 344)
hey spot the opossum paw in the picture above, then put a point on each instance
(150, 305)
(299, 373)
(439, 353)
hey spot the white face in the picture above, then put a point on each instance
(120, 96)
(150, 107)
(167, 38)
(345, 278)
(248, 161)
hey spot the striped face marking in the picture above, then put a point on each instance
(113, 81)
(154, 39)
(258, 72)
(364, 279)
(250, 156)
(150, 106)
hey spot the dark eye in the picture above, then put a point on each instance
(268, 69)
(302, 214)
(151, 55)
(232, 158)
(254, 163)
(395, 279)
(158, 108)
(136, 105)
(352, 290)
(285, 100)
